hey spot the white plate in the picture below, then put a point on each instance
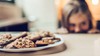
(36, 48)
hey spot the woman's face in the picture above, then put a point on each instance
(78, 23)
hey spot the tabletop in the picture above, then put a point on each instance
(74, 45)
(78, 45)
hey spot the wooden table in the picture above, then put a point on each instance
(77, 45)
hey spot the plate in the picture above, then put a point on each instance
(36, 48)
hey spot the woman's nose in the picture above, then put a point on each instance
(77, 29)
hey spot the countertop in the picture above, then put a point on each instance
(75, 45)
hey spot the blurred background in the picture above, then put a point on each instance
(33, 15)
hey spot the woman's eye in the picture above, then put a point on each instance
(83, 23)
(72, 25)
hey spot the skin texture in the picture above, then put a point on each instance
(78, 23)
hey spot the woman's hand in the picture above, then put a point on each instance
(94, 31)
(61, 31)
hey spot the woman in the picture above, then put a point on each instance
(76, 17)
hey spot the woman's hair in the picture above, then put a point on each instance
(75, 7)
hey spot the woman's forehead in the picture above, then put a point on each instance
(79, 17)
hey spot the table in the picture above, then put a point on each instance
(77, 45)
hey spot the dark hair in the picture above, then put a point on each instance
(73, 8)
